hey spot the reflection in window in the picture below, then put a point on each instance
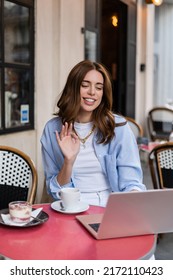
(0, 33)
(16, 33)
(90, 45)
(163, 61)
(16, 97)
(0, 99)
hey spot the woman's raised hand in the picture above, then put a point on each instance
(68, 142)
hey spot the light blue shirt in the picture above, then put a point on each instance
(119, 158)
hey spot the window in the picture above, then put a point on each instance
(16, 65)
(92, 29)
(163, 56)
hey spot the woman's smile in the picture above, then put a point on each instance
(89, 101)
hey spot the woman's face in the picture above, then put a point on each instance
(91, 91)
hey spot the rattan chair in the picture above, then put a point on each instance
(161, 166)
(160, 123)
(18, 176)
(136, 128)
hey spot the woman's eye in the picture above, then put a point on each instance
(84, 85)
(99, 88)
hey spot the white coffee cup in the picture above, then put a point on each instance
(70, 197)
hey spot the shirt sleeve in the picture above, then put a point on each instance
(130, 175)
(52, 159)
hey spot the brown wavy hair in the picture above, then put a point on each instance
(69, 102)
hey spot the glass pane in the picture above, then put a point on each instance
(0, 34)
(90, 45)
(16, 33)
(0, 101)
(17, 88)
(163, 56)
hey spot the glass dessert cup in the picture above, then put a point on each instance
(20, 211)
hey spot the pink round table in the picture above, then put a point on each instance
(62, 237)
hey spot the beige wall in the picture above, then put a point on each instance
(24, 141)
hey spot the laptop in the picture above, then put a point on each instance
(131, 214)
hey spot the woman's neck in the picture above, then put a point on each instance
(84, 117)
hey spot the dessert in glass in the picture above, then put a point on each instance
(20, 211)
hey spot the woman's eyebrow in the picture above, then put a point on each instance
(86, 81)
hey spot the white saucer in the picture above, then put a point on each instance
(80, 207)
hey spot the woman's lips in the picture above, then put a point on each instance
(89, 101)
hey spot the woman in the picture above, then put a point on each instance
(86, 145)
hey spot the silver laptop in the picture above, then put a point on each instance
(132, 213)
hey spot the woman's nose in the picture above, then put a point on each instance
(92, 90)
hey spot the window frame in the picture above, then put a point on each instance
(17, 66)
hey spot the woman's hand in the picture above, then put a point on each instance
(68, 142)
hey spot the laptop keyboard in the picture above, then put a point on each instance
(95, 226)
